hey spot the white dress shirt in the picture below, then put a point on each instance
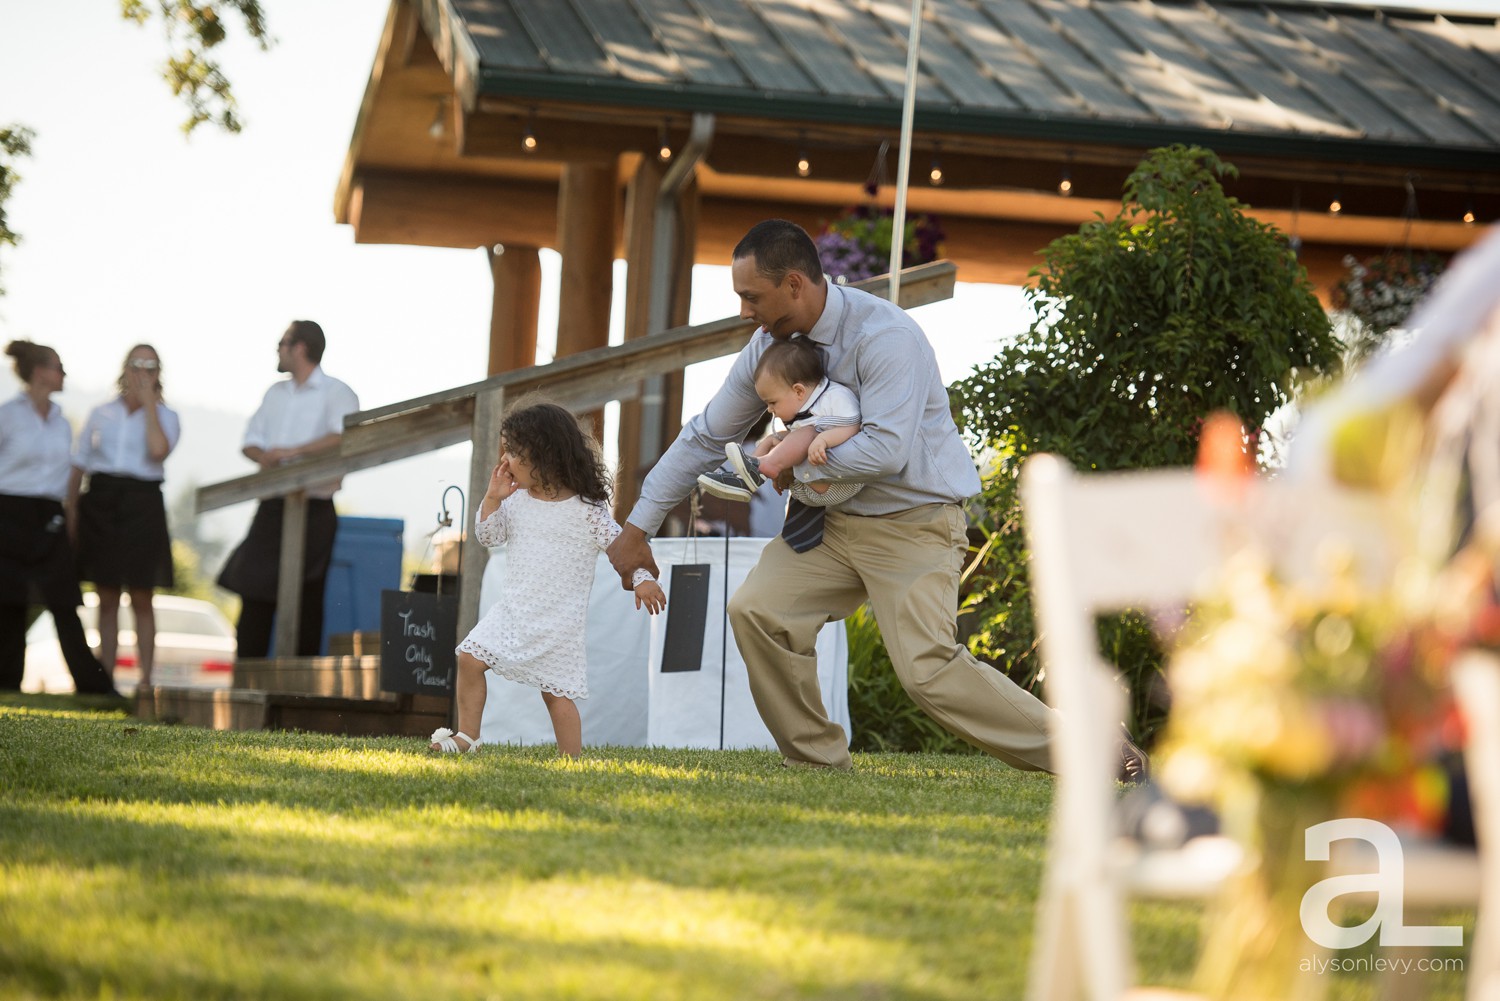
(908, 451)
(291, 415)
(33, 450)
(113, 441)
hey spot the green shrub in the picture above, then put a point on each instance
(1144, 324)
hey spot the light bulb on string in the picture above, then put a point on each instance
(804, 165)
(1336, 206)
(528, 138)
(935, 174)
(664, 148)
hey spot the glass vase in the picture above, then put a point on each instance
(1254, 947)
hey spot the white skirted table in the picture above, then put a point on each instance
(632, 702)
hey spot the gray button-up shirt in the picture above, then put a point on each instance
(908, 451)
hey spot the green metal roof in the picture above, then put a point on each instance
(1379, 84)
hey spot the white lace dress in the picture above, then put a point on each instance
(535, 633)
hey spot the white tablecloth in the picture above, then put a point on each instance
(631, 702)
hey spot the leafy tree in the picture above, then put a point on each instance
(193, 29)
(15, 142)
(1145, 323)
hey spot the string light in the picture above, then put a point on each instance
(1337, 205)
(664, 149)
(1469, 216)
(528, 138)
(935, 175)
(804, 165)
(1065, 183)
(1294, 241)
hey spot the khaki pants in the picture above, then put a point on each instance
(907, 564)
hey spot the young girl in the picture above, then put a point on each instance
(547, 499)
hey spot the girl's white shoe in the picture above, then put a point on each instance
(445, 742)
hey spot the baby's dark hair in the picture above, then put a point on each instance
(792, 362)
(560, 452)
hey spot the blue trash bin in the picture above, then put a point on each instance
(366, 560)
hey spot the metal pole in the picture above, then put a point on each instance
(908, 105)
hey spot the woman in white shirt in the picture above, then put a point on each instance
(36, 558)
(123, 543)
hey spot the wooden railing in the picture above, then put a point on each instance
(581, 382)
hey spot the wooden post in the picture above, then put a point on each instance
(640, 214)
(685, 249)
(289, 583)
(489, 406)
(586, 239)
(517, 275)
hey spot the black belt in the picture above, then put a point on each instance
(115, 479)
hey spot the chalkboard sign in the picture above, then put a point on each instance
(417, 635)
(687, 618)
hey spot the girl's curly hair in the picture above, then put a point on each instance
(561, 453)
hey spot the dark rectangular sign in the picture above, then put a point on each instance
(417, 635)
(687, 617)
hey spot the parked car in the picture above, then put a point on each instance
(194, 646)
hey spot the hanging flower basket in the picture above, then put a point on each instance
(1380, 292)
(857, 245)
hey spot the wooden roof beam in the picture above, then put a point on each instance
(451, 211)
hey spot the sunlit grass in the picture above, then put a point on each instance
(143, 861)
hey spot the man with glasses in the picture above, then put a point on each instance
(299, 417)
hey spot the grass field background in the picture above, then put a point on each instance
(147, 861)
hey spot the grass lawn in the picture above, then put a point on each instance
(146, 861)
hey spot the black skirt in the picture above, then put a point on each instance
(122, 533)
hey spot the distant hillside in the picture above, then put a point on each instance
(210, 451)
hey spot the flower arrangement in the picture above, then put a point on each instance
(857, 245)
(1380, 292)
(1302, 699)
(1334, 693)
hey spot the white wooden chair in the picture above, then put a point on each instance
(1101, 543)
(1476, 682)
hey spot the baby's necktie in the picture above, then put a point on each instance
(803, 528)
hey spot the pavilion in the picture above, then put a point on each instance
(660, 130)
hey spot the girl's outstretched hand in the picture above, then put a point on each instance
(648, 594)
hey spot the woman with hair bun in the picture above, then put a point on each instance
(36, 552)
